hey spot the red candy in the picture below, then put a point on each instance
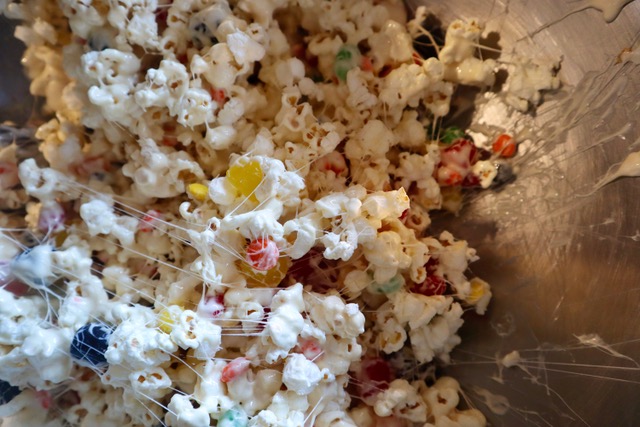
(45, 399)
(219, 96)
(456, 161)
(366, 64)
(375, 376)
(234, 369)
(434, 284)
(262, 254)
(504, 146)
(149, 221)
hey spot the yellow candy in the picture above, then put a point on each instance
(198, 191)
(168, 317)
(245, 177)
(266, 279)
(478, 288)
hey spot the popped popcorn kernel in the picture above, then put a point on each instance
(229, 223)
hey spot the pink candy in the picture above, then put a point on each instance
(234, 369)
(262, 254)
(334, 162)
(149, 221)
(51, 217)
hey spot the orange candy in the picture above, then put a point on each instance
(504, 146)
(266, 279)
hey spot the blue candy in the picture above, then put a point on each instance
(90, 343)
(7, 392)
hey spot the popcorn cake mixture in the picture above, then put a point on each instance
(229, 222)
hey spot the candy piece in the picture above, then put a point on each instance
(45, 399)
(504, 146)
(7, 392)
(169, 139)
(149, 221)
(389, 287)
(219, 96)
(198, 191)
(366, 64)
(375, 376)
(333, 162)
(348, 57)
(262, 254)
(234, 369)
(167, 318)
(456, 161)
(270, 278)
(234, 417)
(451, 134)
(90, 343)
(433, 285)
(51, 217)
(245, 177)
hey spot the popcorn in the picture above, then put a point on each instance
(301, 375)
(233, 221)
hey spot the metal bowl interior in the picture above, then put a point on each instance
(562, 262)
(561, 257)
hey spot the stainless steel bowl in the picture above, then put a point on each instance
(563, 267)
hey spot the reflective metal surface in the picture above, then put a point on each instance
(564, 268)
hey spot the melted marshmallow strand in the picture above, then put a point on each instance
(227, 222)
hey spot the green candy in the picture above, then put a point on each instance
(348, 57)
(393, 285)
(450, 134)
(234, 417)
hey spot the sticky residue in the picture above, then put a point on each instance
(510, 360)
(631, 55)
(610, 8)
(594, 340)
(497, 403)
(630, 167)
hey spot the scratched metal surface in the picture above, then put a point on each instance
(561, 266)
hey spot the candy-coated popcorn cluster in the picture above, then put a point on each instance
(228, 224)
